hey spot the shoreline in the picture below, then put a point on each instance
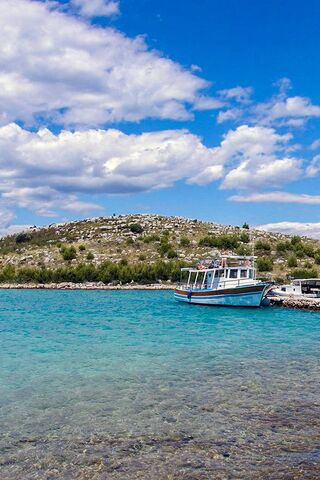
(83, 286)
(297, 303)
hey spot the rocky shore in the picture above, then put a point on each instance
(296, 302)
(84, 286)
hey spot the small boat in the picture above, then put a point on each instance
(302, 287)
(228, 281)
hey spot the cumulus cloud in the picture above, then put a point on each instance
(239, 94)
(58, 68)
(254, 156)
(292, 111)
(314, 167)
(278, 197)
(6, 227)
(43, 171)
(293, 228)
(230, 114)
(96, 8)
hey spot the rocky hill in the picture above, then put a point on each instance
(147, 239)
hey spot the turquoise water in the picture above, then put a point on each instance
(125, 385)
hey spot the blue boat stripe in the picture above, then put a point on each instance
(219, 296)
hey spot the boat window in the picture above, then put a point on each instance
(243, 273)
(221, 273)
(233, 273)
(283, 289)
(250, 273)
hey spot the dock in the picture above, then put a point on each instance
(303, 303)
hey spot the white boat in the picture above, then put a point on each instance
(302, 287)
(229, 281)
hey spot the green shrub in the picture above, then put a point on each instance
(68, 253)
(245, 225)
(295, 240)
(90, 256)
(142, 257)
(262, 245)
(243, 250)
(164, 248)
(82, 248)
(106, 272)
(23, 237)
(123, 262)
(264, 264)
(283, 247)
(151, 238)
(136, 228)
(220, 241)
(292, 261)
(129, 241)
(184, 242)
(299, 252)
(308, 250)
(317, 258)
(304, 273)
(245, 237)
(172, 253)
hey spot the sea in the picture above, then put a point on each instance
(133, 385)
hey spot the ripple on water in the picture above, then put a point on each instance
(125, 385)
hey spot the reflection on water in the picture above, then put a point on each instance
(131, 385)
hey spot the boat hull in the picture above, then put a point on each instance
(242, 296)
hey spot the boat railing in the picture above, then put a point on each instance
(229, 282)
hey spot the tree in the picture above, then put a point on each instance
(246, 226)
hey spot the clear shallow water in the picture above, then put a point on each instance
(125, 385)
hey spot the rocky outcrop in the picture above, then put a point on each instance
(296, 302)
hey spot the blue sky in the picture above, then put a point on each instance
(206, 109)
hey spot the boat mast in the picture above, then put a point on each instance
(252, 239)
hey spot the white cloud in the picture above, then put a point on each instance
(6, 217)
(58, 68)
(13, 229)
(254, 156)
(230, 114)
(239, 94)
(314, 167)
(43, 171)
(278, 197)
(293, 228)
(96, 8)
(207, 103)
(6, 227)
(315, 145)
(291, 111)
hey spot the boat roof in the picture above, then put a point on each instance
(306, 280)
(230, 267)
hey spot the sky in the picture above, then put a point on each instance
(203, 109)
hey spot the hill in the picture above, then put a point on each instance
(129, 245)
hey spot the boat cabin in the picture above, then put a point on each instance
(223, 273)
(304, 286)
